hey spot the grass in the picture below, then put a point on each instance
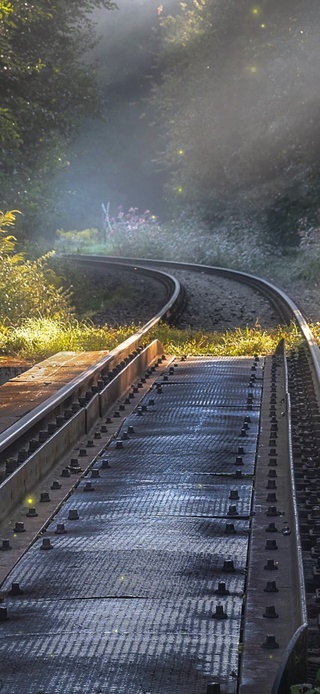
(89, 293)
(91, 303)
(232, 343)
(32, 334)
(39, 338)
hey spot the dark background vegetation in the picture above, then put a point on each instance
(208, 108)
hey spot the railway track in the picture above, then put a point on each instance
(263, 428)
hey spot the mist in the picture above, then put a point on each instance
(258, 103)
(251, 136)
(111, 159)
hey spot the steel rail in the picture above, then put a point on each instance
(289, 312)
(297, 649)
(282, 302)
(174, 298)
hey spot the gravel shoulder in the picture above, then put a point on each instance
(307, 299)
(219, 304)
(129, 299)
(214, 303)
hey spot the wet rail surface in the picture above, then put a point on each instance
(263, 616)
(140, 581)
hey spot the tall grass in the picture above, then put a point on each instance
(36, 339)
(37, 319)
(233, 343)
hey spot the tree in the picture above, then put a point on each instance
(45, 91)
(238, 101)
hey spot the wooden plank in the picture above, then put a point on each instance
(24, 392)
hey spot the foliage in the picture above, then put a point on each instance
(38, 338)
(45, 91)
(237, 131)
(76, 241)
(141, 235)
(7, 242)
(27, 287)
(306, 688)
(135, 232)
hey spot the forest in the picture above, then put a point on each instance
(45, 92)
(204, 113)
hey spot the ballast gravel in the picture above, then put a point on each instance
(213, 303)
(219, 304)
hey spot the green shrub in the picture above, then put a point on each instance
(28, 288)
(235, 244)
(76, 241)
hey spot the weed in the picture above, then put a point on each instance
(232, 343)
(240, 244)
(39, 338)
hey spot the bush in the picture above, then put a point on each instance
(28, 288)
(76, 241)
(234, 244)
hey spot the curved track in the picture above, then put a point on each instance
(285, 307)
(11, 439)
(72, 412)
(174, 302)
